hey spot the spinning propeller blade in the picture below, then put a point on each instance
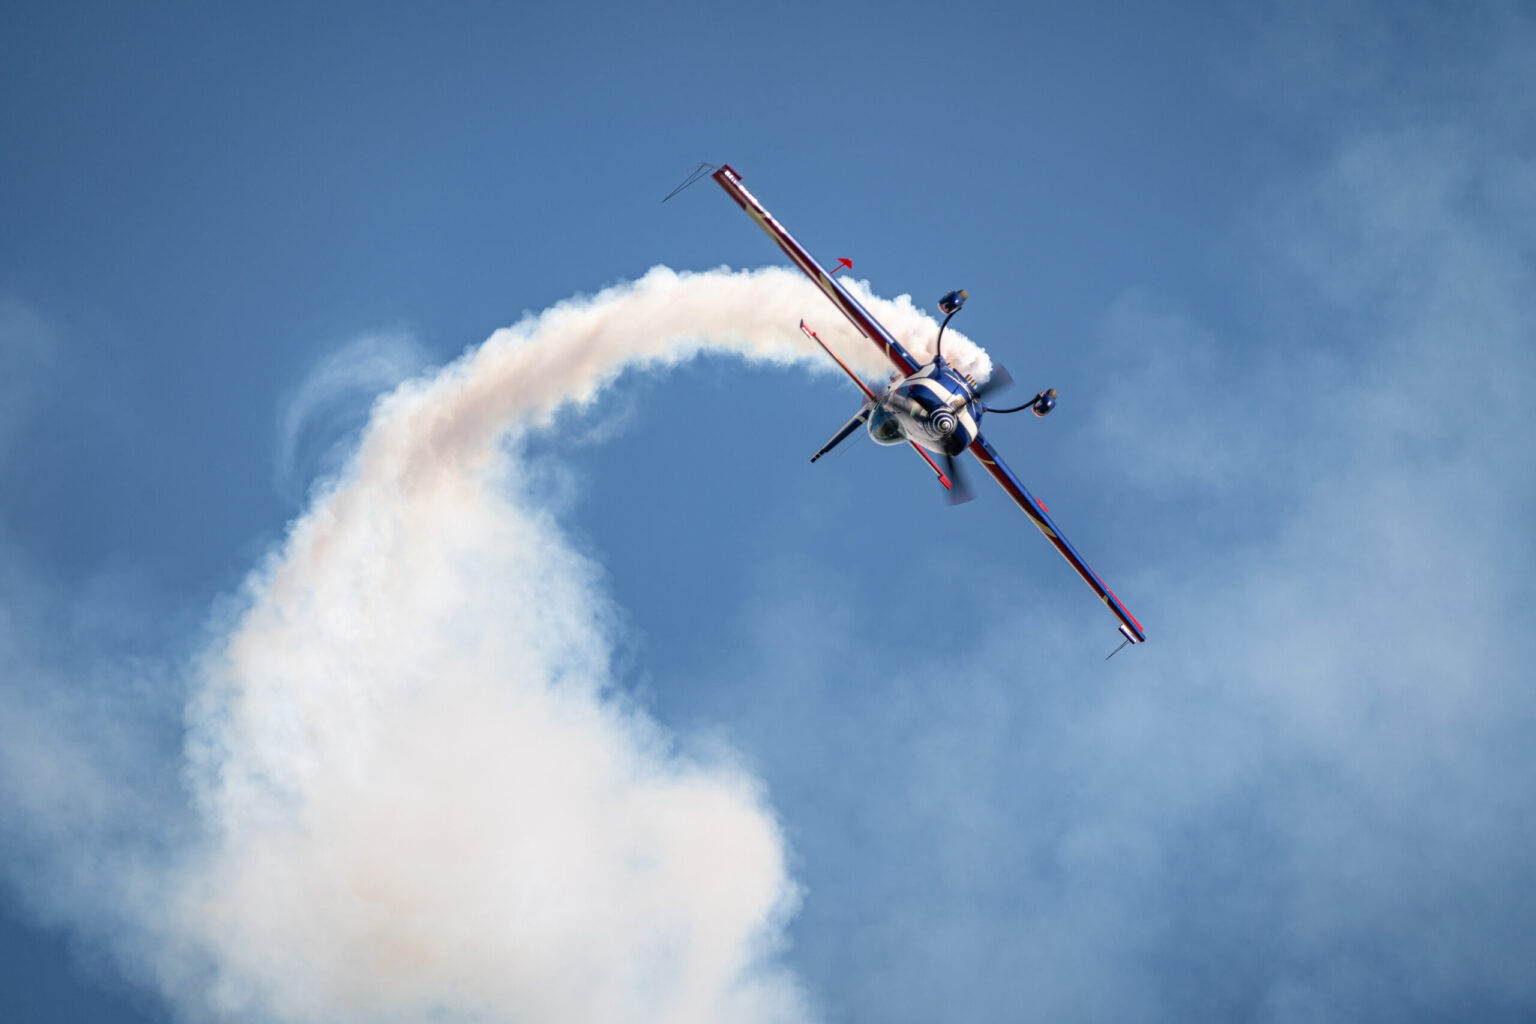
(1000, 379)
(959, 493)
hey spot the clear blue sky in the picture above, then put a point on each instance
(1277, 259)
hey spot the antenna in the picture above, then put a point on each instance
(693, 176)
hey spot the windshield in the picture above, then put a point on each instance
(885, 428)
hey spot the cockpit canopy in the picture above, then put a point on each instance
(885, 427)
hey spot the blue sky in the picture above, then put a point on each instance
(1277, 260)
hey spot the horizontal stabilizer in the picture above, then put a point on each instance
(848, 428)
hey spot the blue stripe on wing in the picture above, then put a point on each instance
(994, 464)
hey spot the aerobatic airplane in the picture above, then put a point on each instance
(932, 408)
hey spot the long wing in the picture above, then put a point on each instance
(856, 314)
(988, 457)
(903, 361)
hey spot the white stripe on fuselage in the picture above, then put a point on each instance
(957, 402)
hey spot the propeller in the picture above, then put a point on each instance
(958, 493)
(1000, 379)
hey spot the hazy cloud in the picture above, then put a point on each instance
(28, 343)
(1307, 797)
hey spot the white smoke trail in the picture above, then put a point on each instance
(425, 798)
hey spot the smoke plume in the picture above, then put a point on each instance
(421, 792)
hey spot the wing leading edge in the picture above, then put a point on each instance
(994, 464)
(856, 314)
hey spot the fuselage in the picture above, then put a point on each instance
(935, 407)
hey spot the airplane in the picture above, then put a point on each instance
(933, 408)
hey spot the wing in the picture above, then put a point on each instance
(856, 314)
(988, 457)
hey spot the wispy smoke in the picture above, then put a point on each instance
(422, 793)
(317, 419)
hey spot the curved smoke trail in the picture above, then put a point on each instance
(424, 796)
